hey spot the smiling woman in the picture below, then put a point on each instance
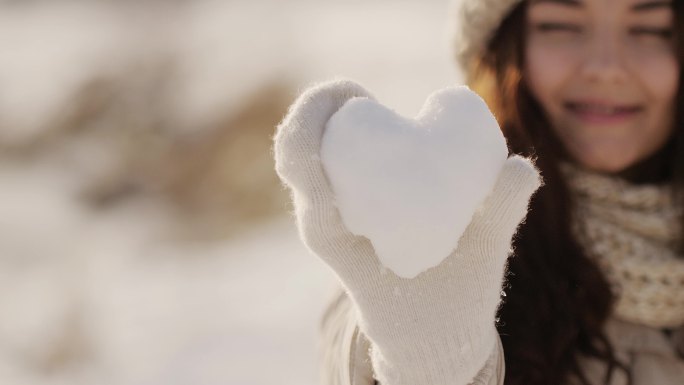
(591, 90)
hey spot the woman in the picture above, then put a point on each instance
(593, 293)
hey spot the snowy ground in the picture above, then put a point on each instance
(111, 297)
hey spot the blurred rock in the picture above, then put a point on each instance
(224, 179)
(217, 179)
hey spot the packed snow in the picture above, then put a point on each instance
(412, 185)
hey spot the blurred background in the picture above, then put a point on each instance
(144, 236)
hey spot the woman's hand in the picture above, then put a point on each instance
(439, 327)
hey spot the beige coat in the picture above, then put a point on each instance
(654, 358)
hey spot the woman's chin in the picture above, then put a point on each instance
(606, 163)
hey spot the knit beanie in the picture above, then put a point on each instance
(474, 24)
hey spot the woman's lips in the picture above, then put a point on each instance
(601, 112)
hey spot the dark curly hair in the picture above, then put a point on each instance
(557, 299)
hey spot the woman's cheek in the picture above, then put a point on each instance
(658, 72)
(547, 70)
(657, 69)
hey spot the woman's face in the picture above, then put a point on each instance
(606, 74)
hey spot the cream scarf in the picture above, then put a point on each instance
(632, 231)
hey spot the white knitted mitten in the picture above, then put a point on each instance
(439, 327)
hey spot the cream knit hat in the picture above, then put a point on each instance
(475, 22)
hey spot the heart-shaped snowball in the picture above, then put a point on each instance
(411, 186)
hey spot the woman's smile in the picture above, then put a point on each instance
(598, 112)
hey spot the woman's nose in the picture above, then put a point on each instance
(604, 60)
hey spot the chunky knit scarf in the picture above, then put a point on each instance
(633, 233)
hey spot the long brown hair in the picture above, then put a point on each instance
(557, 299)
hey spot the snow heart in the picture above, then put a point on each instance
(411, 186)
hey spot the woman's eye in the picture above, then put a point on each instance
(558, 27)
(663, 33)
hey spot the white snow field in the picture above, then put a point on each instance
(109, 299)
(112, 297)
